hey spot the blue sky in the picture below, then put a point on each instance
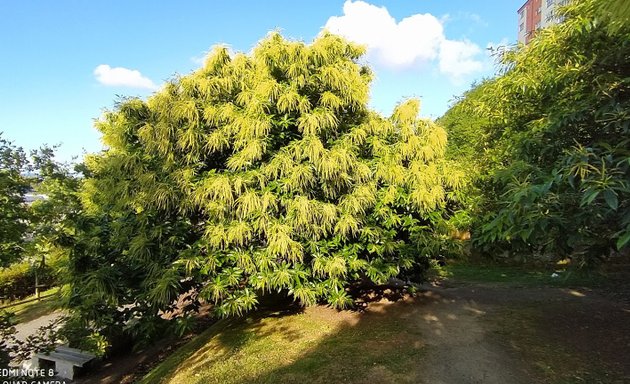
(62, 62)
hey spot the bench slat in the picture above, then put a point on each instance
(77, 355)
(64, 358)
(69, 355)
(64, 349)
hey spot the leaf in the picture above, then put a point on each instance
(611, 199)
(589, 197)
(623, 240)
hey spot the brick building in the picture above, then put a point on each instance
(537, 14)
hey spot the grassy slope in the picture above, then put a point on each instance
(35, 309)
(322, 345)
(318, 345)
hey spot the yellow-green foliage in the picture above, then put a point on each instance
(265, 172)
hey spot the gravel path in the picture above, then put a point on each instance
(480, 333)
(29, 328)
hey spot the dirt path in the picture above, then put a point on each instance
(483, 333)
(460, 350)
(496, 334)
(29, 328)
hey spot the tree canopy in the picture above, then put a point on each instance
(257, 173)
(13, 212)
(552, 134)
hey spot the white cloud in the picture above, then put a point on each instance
(199, 60)
(470, 18)
(476, 18)
(457, 58)
(123, 77)
(415, 40)
(503, 44)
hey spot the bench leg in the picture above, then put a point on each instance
(32, 363)
(64, 370)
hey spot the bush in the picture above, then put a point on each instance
(18, 280)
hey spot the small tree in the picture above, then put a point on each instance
(259, 173)
(53, 218)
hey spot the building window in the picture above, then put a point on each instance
(538, 11)
(521, 13)
(521, 27)
(549, 3)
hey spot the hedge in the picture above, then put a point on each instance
(17, 281)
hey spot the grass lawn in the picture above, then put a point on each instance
(317, 345)
(32, 310)
(519, 276)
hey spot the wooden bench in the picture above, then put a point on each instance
(65, 360)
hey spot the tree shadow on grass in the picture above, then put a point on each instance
(230, 334)
(289, 344)
(440, 335)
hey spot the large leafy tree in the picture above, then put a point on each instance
(13, 211)
(257, 173)
(553, 135)
(53, 217)
(616, 12)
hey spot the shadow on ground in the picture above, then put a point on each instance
(431, 338)
(468, 333)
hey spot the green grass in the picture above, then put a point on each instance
(518, 275)
(319, 345)
(32, 310)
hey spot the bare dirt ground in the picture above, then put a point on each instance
(491, 333)
(487, 333)
(459, 347)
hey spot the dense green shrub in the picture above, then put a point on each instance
(13, 212)
(17, 281)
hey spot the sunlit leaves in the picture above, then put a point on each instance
(340, 299)
(215, 290)
(280, 244)
(267, 172)
(239, 234)
(305, 294)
